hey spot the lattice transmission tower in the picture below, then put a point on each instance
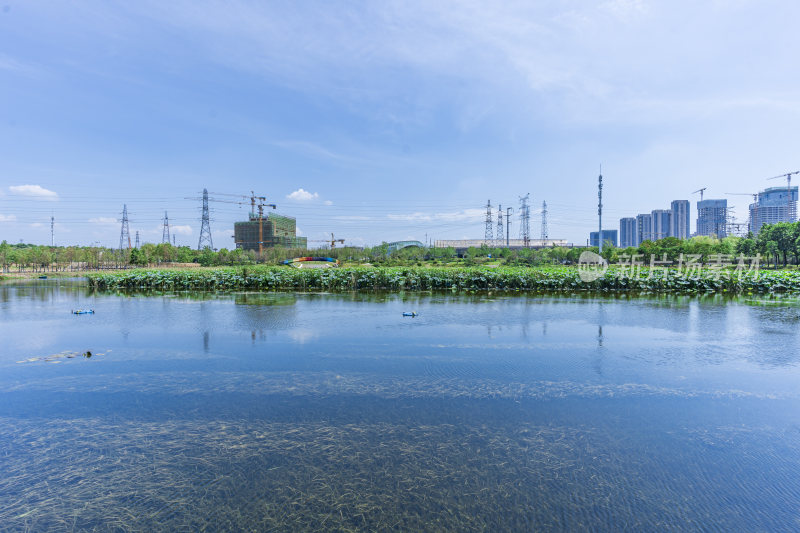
(487, 235)
(500, 237)
(544, 222)
(205, 226)
(125, 232)
(525, 220)
(165, 230)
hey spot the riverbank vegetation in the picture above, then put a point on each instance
(542, 279)
(777, 244)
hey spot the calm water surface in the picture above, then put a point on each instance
(288, 412)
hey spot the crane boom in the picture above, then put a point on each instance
(701, 192)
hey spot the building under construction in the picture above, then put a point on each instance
(270, 232)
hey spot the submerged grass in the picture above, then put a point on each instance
(257, 475)
(545, 279)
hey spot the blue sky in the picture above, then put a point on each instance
(381, 121)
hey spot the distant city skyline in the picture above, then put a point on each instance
(386, 121)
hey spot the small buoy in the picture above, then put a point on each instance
(83, 312)
(412, 313)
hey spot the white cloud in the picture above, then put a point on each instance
(301, 195)
(327, 202)
(7, 218)
(182, 230)
(35, 191)
(103, 220)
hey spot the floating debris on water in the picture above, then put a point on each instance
(58, 357)
(83, 311)
(411, 313)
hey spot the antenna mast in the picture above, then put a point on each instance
(509, 210)
(600, 211)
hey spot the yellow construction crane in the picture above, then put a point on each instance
(332, 241)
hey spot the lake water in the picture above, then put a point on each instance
(331, 412)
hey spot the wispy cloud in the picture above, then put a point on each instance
(312, 149)
(578, 58)
(103, 220)
(466, 215)
(7, 218)
(10, 64)
(35, 191)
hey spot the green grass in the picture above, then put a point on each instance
(540, 279)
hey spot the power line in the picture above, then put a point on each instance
(165, 230)
(125, 232)
(544, 221)
(205, 226)
(500, 237)
(487, 236)
(525, 220)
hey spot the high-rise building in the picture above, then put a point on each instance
(681, 219)
(712, 217)
(773, 205)
(627, 232)
(644, 228)
(609, 237)
(662, 222)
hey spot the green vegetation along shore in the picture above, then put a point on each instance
(542, 279)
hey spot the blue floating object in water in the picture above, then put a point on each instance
(412, 313)
(42, 277)
(83, 312)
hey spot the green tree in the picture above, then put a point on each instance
(137, 257)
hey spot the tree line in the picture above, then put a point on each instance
(778, 244)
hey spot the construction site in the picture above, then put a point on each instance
(261, 232)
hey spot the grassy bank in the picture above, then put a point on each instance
(546, 279)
